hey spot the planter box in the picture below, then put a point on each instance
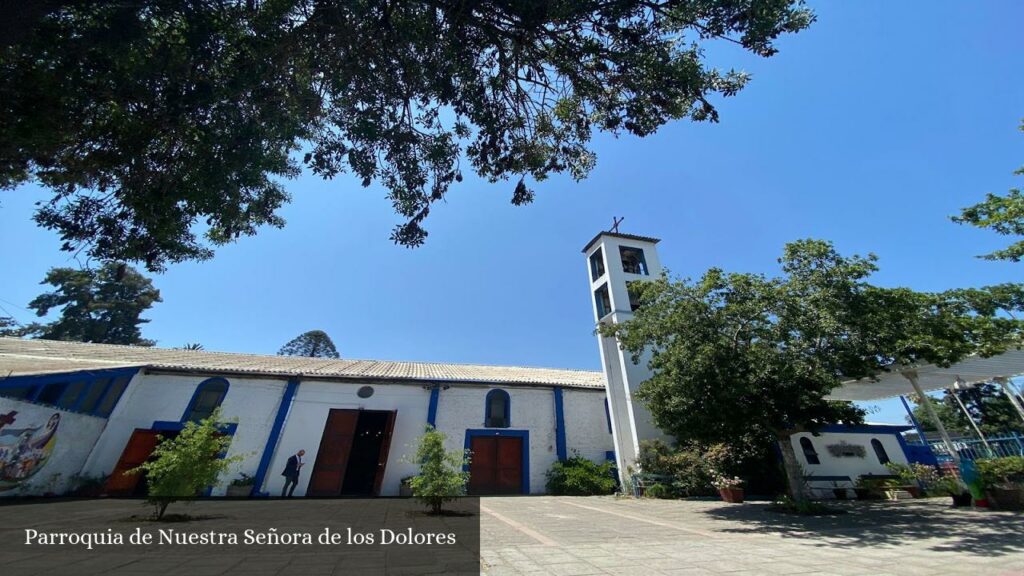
(731, 495)
(914, 491)
(1006, 498)
(239, 491)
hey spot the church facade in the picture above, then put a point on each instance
(75, 412)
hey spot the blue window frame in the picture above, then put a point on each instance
(597, 264)
(602, 301)
(497, 409)
(810, 454)
(207, 398)
(633, 260)
(883, 457)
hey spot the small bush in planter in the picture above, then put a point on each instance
(241, 487)
(658, 491)
(578, 476)
(950, 485)
(870, 488)
(1003, 481)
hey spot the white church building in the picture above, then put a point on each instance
(70, 411)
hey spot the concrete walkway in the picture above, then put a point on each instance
(605, 535)
(548, 535)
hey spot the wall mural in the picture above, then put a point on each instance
(24, 450)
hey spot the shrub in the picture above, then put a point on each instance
(184, 466)
(947, 484)
(1001, 471)
(692, 468)
(441, 478)
(658, 491)
(578, 476)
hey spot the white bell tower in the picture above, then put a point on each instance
(614, 261)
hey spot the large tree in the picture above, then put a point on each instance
(1002, 214)
(155, 122)
(743, 359)
(103, 305)
(314, 344)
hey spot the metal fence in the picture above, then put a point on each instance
(998, 446)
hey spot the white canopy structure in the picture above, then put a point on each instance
(925, 378)
(931, 378)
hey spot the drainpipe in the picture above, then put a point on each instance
(911, 375)
(1005, 385)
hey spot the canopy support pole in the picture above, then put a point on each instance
(1010, 395)
(971, 420)
(927, 403)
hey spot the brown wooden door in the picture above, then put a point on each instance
(138, 449)
(332, 457)
(385, 448)
(496, 465)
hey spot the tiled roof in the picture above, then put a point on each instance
(619, 235)
(21, 357)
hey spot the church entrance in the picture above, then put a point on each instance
(353, 453)
(138, 449)
(496, 466)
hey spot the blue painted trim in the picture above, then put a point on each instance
(275, 434)
(18, 381)
(913, 420)
(199, 388)
(508, 406)
(89, 377)
(524, 434)
(435, 396)
(609, 455)
(560, 425)
(904, 447)
(608, 414)
(866, 428)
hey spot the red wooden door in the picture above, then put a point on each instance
(138, 449)
(496, 465)
(385, 448)
(332, 457)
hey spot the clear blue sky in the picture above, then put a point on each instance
(869, 129)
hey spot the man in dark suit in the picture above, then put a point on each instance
(291, 473)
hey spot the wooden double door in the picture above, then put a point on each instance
(496, 465)
(137, 451)
(353, 453)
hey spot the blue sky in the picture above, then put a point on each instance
(869, 129)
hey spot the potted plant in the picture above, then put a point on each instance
(908, 479)
(241, 487)
(405, 488)
(730, 489)
(1003, 481)
(872, 488)
(954, 487)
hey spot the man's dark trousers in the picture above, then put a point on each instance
(290, 482)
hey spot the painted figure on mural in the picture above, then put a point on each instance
(24, 451)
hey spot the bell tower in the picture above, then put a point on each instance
(614, 262)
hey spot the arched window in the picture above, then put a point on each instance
(498, 411)
(809, 453)
(883, 458)
(208, 396)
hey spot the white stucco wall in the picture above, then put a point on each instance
(586, 426)
(304, 427)
(462, 407)
(59, 462)
(848, 466)
(251, 402)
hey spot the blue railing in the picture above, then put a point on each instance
(1008, 445)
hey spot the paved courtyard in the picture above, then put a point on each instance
(554, 535)
(568, 536)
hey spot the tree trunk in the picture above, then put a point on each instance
(794, 473)
(161, 508)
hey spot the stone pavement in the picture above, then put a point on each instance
(557, 535)
(605, 535)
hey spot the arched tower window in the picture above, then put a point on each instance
(498, 410)
(883, 458)
(208, 396)
(810, 454)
